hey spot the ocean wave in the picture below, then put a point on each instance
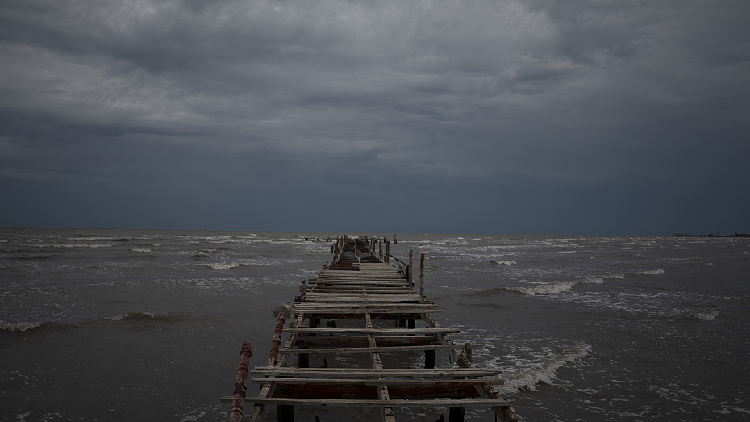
(603, 278)
(201, 253)
(70, 245)
(706, 316)
(652, 272)
(485, 292)
(144, 250)
(545, 289)
(92, 238)
(493, 262)
(542, 372)
(148, 316)
(222, 265)
(20, 326)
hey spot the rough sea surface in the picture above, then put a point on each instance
(136, 325)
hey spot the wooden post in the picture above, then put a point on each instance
(421, 277)
(388, 252)
(276, 340)
(456, 414)
(239, 386)
(429, 359)
(303, 359)
(411, 261)
(285, 413)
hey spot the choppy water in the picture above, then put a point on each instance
(133, 325)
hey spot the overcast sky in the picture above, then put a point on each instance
(517, 117)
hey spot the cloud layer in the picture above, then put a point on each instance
(598, 117)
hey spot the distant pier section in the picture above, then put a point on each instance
(364, 307)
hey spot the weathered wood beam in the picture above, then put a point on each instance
(376, 403)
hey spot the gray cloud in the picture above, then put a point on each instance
(533, 116)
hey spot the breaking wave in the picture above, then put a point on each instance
(222, 265)
(706, 316)
(148, 316)
(20, 326)
(502, 262)
(652, 272)
(545, 372)
(545, 289)
(144, 250)
(70, 245)
(562, 286)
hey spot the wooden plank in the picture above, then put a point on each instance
(375, 403)
(375, 331)
(374, 349)
(317, 298)
(382, 304)
(377, 382)
(401, 310)
(363, 341)
(361, 372)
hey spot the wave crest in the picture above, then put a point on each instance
(147, 316)
(706, 316)
(222, 265)
(544, 372)
(652, 272)
(20, 326)
(493, 262)
(545, 289)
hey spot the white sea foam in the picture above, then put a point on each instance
(652, 272)
(94, 238)
(503, 262)
(131, 315)
(222, 265)
(545, 289)
(145, 250)
(19, 326)
(70, 245)
(545, 371)
(707, 316)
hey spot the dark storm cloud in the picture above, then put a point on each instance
(500, 116)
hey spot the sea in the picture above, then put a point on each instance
(147, 325)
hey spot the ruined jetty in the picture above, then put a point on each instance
(361, 304)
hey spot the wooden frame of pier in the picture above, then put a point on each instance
(361, 288)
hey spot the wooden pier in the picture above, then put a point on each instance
(361, 304)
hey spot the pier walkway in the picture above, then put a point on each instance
(362, 307)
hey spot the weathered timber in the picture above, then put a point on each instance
(375, 331)
(361, 373)
(379, 403)
(375, 349)
(402, 382)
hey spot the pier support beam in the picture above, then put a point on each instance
(303, 360)
(285, 413)
(456, 414)
(429, 359)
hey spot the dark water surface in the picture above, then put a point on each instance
(135, 325)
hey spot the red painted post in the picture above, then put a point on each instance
(239, 385)
(276, 339)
